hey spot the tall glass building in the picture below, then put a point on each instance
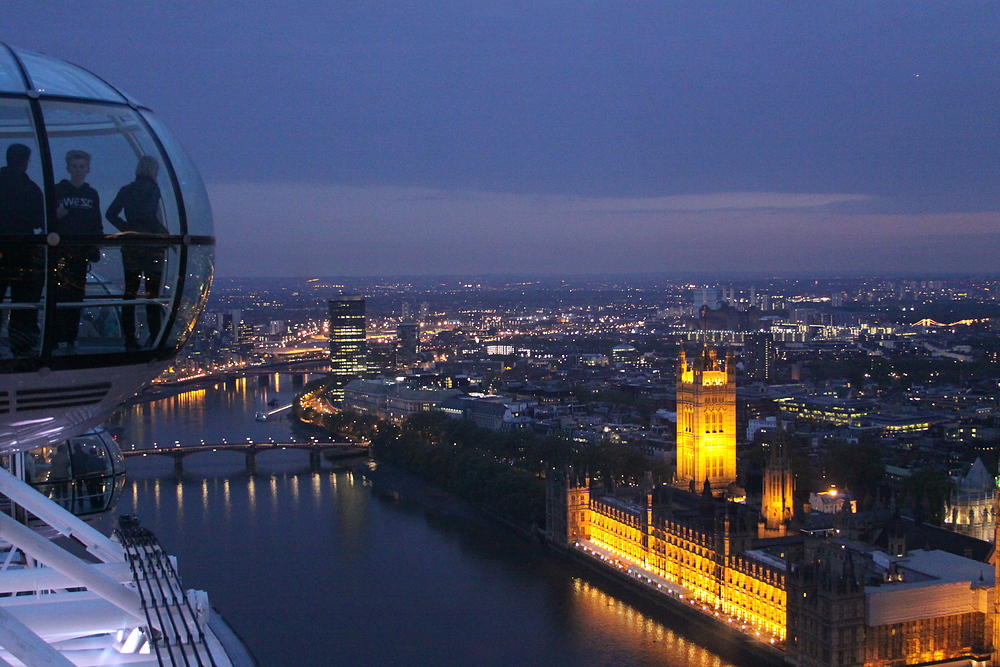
(348, 348)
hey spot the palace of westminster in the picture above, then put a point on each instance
(856, 589)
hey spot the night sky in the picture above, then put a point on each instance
(368, 138)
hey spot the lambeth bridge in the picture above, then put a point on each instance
(317, 450)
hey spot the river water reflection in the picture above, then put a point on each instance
(325, 568)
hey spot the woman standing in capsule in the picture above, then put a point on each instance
(140, 200)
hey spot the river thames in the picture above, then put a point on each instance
(329, 568)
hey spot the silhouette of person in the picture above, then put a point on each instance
(140, 200)
(95, 482)
(60, 464)
(78, 213)
(78, 459)
(22, 267)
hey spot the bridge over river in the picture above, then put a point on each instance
(251, 449)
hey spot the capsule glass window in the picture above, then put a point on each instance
(116, 139)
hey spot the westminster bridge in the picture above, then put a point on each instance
(250, 451)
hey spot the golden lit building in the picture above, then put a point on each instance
(778, 501)
(816, 599)
(695, 549)
(822, 601)
(706, 420)
(969, 509)
(852, 606)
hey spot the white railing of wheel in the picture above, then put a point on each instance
(180, 638)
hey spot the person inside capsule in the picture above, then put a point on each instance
(78, 213)
(22, 267)
(140, 200)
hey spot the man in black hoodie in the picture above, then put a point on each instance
(78, 213)
(22, 266)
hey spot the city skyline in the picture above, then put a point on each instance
(449, 138)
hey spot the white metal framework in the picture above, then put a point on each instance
(125, 605)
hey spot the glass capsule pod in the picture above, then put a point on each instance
(106, 248)
(85, 474)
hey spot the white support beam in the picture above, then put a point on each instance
(32, 579)
(26, 646)
(41, 549)
(64, 521)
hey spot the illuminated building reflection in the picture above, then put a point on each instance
(252, 495)
(598, 610)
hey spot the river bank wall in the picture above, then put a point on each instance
(723, 638)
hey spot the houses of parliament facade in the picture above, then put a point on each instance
(847, 593)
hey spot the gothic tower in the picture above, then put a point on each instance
(706, 420)
(567, 507)
(996, 565)
(777, 505)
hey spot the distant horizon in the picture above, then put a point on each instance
(482, 138)
(704, 277)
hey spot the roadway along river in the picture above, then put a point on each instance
(329, 569)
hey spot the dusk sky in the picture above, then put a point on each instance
(390, 138)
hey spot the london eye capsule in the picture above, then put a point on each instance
(106, 249)
(105, 264)
(85, 474)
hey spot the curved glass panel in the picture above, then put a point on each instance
(85, 475)
(22, 223)
(120, 302)
(113, 175)
(88, 301)
(197, 281)
(56, 77)
(11, 80)
(18, 127)
(196, 204)
(22, 276)
(115, 140)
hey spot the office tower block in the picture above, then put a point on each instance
(348, 349)
(229, 325)
(760, 356)
(705, 296)
(407, 343)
